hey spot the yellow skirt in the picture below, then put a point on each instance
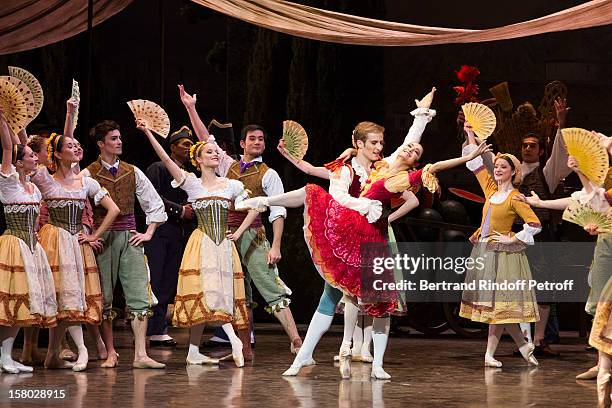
(56, 241)
(14, 288)
(196, 291)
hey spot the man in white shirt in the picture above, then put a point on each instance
(123, 255)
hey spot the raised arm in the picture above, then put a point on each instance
(303, 165)
(173, 168)
(7, 145)
(189, 101)
(71, 107)
(450, 163)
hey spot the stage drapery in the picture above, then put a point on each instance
(28, 24)
(317, 24)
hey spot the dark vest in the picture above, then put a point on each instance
(121, 188)
(251, 178)
(535, 181)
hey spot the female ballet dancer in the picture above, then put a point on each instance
(327, 224)
(27, 291)
(211, 283)
(68, 246)
(504, 255)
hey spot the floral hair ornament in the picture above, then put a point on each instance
(51, 149)
(518, 177)
(194, 151)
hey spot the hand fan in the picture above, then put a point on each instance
(153, 115)
(76, 95)
(32, 83)
(296, 139)
(14, 106)
(27, 96)
(592, 156)
(481, 118)
(584, 214)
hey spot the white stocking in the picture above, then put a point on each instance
(76, 332)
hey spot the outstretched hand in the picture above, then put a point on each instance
(427, 99)
(533, 201)
(188, 100)
(482, 149)
(561, 110)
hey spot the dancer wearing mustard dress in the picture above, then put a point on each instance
(504, 256)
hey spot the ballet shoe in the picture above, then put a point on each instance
(492, 362)
(23, 368)
(79, 367)
(11, 369)
(527, 353)
(296, 366)
(238, 359)
(589, 375)
(603, 390)
(345, 363)
(148, 363)
(379, 374)
(111, 362)
(259, 204)
(202, 360)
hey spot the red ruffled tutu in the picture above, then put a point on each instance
(335, 235)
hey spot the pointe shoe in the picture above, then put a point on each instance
(296, 366)
(202, 360)
(259, 204)
(603, 390)
(379, 374)
(79, 367)
(366, 357)
(527, 353)
(111, 362)
(590, 374)
(345, 363)
(238, 359)
(149, 363)
(492, 363)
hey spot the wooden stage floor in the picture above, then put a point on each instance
(427, 372)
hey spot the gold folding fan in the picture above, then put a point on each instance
(584, 214)
(153, 115)
(481, 118)
(296, 139)
(27, 96)
(32, 83)
(14, 106)
(592, 157)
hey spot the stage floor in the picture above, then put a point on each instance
(445, 371)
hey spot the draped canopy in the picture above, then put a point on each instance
(28, 24)
(324, 25)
